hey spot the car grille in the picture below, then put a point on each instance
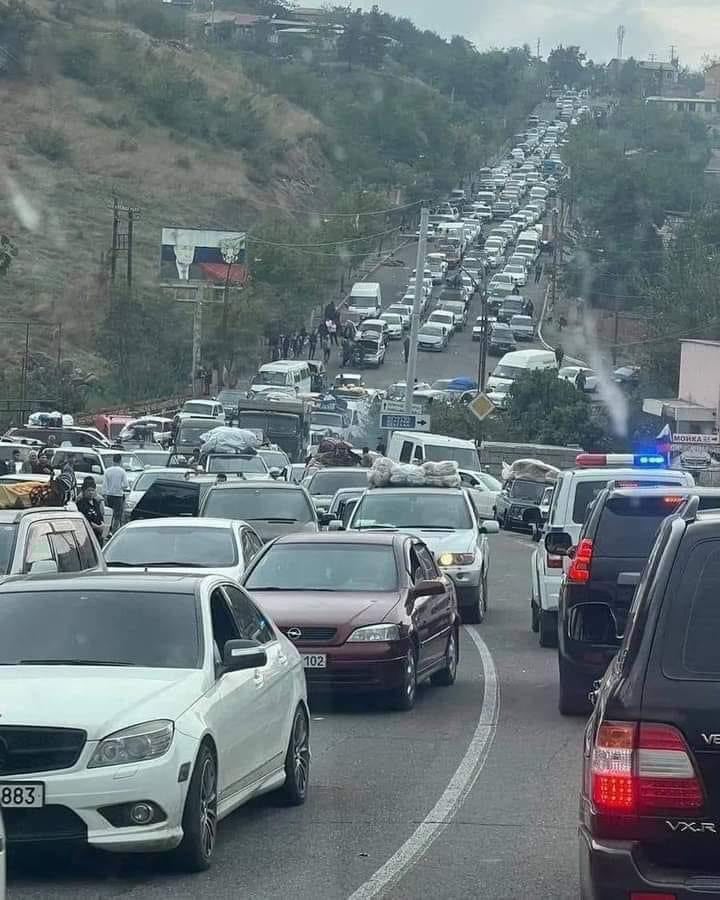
(50, 823)
(30, 749)
(310, 634)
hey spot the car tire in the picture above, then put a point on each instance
(403, 697)
(571, 703)
(547, 628)
(199, 821)
(534, 617)
(473, 613)
(447, 675)
(297, 761)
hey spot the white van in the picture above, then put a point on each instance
(285, 375)
(365, 300)
(418, 447)
(515, 364)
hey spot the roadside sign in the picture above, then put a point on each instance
(696, 439)
(481, 406)
(398, 407)
(404, 422)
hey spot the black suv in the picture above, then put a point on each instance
(596, 592)
(650, 795)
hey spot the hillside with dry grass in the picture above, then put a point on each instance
(107, 100)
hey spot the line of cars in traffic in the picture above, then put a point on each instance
(170, 668)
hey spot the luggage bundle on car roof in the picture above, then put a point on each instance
(388, 473)
(529, 470)
(228, 440)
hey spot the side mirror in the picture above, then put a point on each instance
(275, 473)
(96, 470)
(428, 589)
(44, 567)
(239, 655)
(335, 525)
(489, 526)
(593, 623)
(558, 543)
(325, 518)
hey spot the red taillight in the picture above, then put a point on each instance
(579, 571)
(554, 562)
(651, 895)
(642, 770)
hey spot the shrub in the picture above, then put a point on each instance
(49, 142)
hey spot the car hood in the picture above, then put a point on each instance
(334, 609)
(199, 571)
(459, 541)
(430, 338)
(99, 700)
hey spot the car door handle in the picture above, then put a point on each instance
(259, 678)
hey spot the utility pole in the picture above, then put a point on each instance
(615, 335)
(484, 341)
(415, 320)
(122, 241)
(130, 246)
(197, 336)
(114, 250)
(538, 49)
(25, 367)
(553, 283)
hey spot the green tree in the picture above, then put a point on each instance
(8, 252)
(373, 42)
(628, 81)
(349, 44)
(565, 65)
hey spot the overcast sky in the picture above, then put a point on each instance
(693, 26)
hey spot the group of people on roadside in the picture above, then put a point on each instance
(318, 341)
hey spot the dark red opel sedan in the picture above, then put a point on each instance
(368, 612)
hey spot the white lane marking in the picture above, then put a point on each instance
(454, 795)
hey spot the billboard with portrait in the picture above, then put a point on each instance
(203, 255)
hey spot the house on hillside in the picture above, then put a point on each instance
(656, 77)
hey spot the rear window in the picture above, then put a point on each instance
(628, 526)
(693, 629)
(586, 491)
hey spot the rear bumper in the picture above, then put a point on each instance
(610, 870)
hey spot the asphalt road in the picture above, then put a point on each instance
(472, 794)
(476, 787)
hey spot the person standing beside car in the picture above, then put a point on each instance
(116, 486)
(91, 507)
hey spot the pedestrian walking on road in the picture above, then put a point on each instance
(326, 350)
(91, 507)
(312, 344)
(559, 355)
(580, 381)
(285, 346)
(538, 271)
(516, 288)
(406, 348)
(116, 486)
(346, 352)
(332, 330)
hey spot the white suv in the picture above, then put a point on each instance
(574, 490)
(447, 521)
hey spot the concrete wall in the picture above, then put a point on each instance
(700, 373)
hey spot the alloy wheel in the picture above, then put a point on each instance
(208, 806)
(301, 752)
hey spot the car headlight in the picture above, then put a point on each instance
(376, 633)
(135, 744)
(456, 559)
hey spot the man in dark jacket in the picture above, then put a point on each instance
(89, 505)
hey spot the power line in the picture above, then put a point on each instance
(340, 215)
(364, 237)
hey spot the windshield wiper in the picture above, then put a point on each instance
(432, 527)
(294, 588)
(155, 565)
(72, 662)
(277, 521)
(379, 527)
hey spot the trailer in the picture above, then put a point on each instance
(494, 453)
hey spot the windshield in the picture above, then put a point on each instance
(341, 568)
(248, 465)
(278, 379)
(167, 545)
(258, 505)
(511, 372)
(463, 456)
(269, 423)
(147, 478)
(114, 627)
(230, 398)
(432, 329)
(327, 481)
(7, 542)
(527, 490)
(198, 409)
(129, 461)
(413, 509)
(190, 434)
(274, 459)
(328, 419)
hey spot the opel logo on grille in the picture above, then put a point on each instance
(294, 633)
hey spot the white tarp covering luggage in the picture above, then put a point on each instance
(224, 439)
(530, 470)
(386, 472)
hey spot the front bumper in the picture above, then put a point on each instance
(436, 347)
(610, 870)
(357, 667)
(464, 577)
(74, 796)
